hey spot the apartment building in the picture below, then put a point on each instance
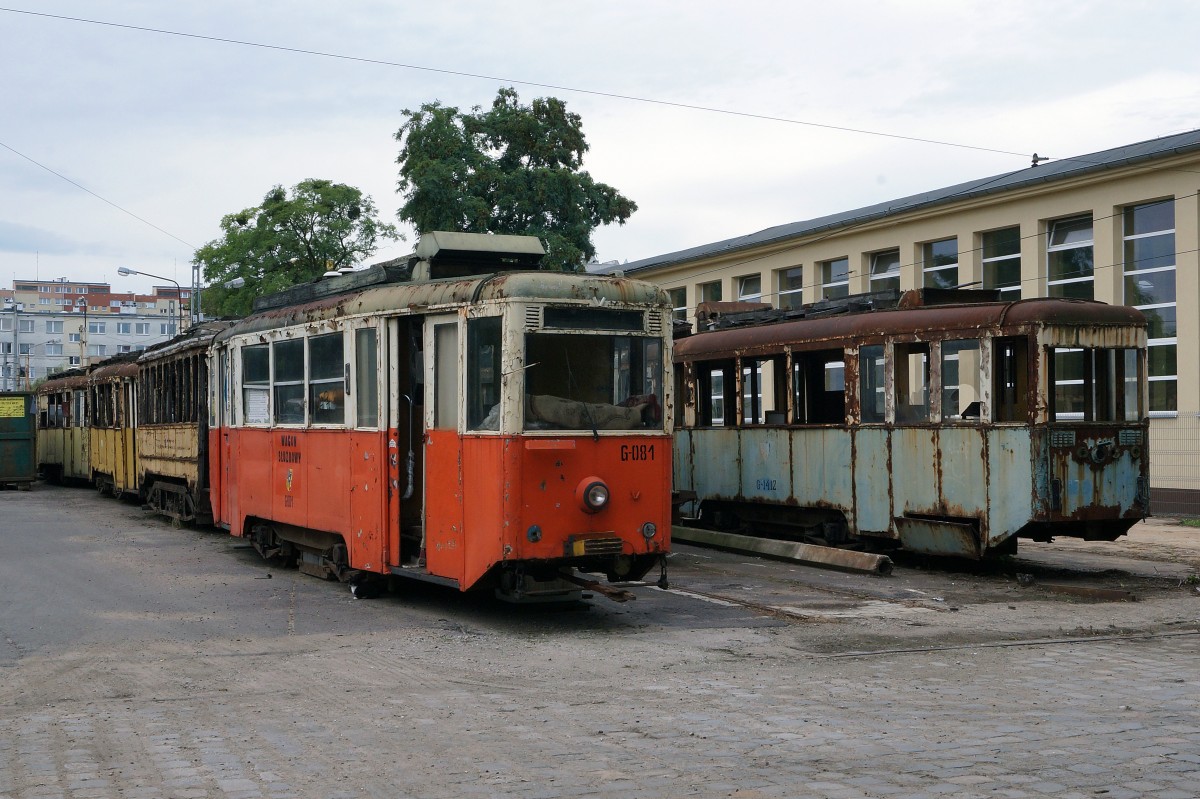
(1120, 226)
(49, 326)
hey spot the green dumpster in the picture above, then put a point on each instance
(18, 464)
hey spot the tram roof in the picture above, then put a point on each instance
(198, 335)
(405, 297)
(867, 325)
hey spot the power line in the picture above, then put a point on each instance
(537, 84)
(94, 194)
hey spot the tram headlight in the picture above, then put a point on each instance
(592, 494)
(649, 530)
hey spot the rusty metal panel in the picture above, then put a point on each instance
(766, 466)
(916, 470)
(821, 473)
(938, 537)
(872, 480)
(963, 472)
(1012, 495)
(1089, 488)
(713, 463)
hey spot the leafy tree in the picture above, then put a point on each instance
(512, 169)
(286, 240)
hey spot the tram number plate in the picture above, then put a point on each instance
(766, 484)
(637, 452)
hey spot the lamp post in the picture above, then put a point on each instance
(81, 303)
(125, 270)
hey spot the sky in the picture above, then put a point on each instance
(121, 146)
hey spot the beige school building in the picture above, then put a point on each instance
(1120, 226)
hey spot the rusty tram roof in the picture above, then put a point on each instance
(403, 297)
(906, 321)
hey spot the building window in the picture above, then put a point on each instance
(95, 327)
(97, 350)
(142, 328)
(24, 349)
(124, 328)
(124, 348)
(167, 329)
(73, 360)
(835, 278)
(54, 327)
(710, 292)
(1002, 262)
(789, 287)
(73, 338)
(885, 271)
(5, 325)
(54, 349)
(940, 264)
(750, 288)
(1070, 259)
(678, 303)
(25, 325)
(1149, 239)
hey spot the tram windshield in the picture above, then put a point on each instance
(1095, 385)
(593, 382)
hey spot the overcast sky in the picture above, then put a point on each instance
(181, 130)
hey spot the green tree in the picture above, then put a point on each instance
(288, 239)
(512, 169)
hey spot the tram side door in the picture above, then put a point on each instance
(220, 451)
(444, 540)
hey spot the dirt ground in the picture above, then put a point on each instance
(1146, 582)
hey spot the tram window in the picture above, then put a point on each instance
(256, 384)
(1131, 382)
(366, 381)
(1095, 385)
(1010, 370)
(912, 382)
(592, 382)
(870, 383)
(715, 393)
(1070, 383)
(961, 381)
(326, 379)
(763, 387)
(288, 381)
(483, 373)
(819, 387)
(445, 377)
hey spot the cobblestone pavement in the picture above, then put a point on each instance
(198, 677)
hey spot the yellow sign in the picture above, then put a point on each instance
(12, 407)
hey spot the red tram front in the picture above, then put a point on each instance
(452, 419)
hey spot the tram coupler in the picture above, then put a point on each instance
(615, 594)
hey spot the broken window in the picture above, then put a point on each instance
(819, 387)
(961, 381)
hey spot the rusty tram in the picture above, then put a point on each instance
(945, 422)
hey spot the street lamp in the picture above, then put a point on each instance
(81, 303)
(125, 270)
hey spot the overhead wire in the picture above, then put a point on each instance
(518, 81)
(1036, 159)
(100, 197)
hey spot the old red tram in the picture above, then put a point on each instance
(455, 418)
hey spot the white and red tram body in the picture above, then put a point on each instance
(450, 420)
